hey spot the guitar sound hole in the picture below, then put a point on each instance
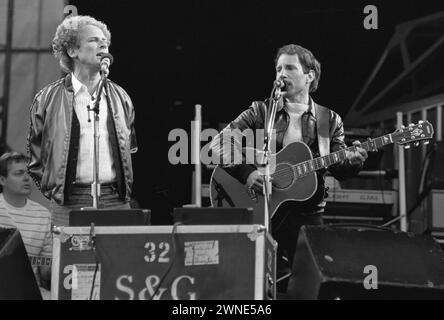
(283, 176)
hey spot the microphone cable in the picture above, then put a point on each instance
(174, 240)
(93, 246)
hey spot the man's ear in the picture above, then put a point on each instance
(2, 180)
(72, 52)
(311, 75)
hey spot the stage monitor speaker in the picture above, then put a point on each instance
(365, 263)
(17, 280)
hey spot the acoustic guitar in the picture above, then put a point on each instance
(294, 171)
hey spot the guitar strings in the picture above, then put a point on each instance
(291, 168)
(365, 145)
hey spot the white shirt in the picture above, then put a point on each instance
(84, 172)
(294, 130)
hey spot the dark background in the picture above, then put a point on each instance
(172, 55)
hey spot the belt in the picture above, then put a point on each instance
(88, 185)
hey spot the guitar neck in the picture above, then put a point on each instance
(38, 261)
(313, 165)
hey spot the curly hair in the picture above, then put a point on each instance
(307, 60)
(67, 36)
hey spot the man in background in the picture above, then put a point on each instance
(32, 220)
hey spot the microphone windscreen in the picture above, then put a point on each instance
(279, 83)
(104, 55)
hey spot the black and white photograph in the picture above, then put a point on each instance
(235, 153)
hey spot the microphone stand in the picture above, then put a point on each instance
(276, 95)
(95, 186)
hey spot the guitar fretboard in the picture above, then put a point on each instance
(310, 166)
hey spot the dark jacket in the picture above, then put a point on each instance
(50, 133)
(254, 118)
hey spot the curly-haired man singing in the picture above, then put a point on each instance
(60, 140)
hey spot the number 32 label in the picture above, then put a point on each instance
(157, 253)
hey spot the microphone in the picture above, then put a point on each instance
(279, 84)
(106, 59)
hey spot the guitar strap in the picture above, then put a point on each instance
(323, 128)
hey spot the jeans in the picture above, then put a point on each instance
(286, 224)
(81, 197)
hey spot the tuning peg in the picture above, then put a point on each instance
(411, 125)
(407, 146)
(425, 142)
(416, 143)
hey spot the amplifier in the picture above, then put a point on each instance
(164, 263)
(436, 207)
(362, 196)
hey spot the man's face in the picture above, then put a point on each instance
(92, 42)
(289, 69)
(17, 180)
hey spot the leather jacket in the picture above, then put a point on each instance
(254, 118)
(50, 134)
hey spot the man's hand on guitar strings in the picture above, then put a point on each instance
(255, 181)
(358, 156)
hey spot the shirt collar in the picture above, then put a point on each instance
(77, 86)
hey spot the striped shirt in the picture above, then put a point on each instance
(34, 223)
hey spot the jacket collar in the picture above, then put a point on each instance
(311, 106)
(70, 86)
(76, 84)
(68, 83)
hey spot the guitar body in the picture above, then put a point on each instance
(227, 191)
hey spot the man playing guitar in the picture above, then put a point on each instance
(296, 119)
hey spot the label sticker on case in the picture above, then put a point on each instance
(201, 252)
(82, 280)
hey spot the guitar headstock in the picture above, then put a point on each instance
(413, 133)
